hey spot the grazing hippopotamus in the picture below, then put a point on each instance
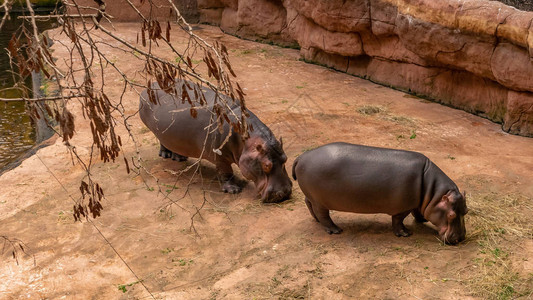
(363, 179)
(260, 157)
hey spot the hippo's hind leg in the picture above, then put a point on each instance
(321, 214)
(310, 207)
(397, 224)
(176, 156)
(230, 184)
(165, 153)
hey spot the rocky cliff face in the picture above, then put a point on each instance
(475, 55)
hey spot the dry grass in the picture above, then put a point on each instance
(369, 110)
(402, 120)
(383, 112)
(501, 223)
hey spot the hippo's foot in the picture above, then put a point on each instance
(230, 184)
(402, 232)
(418, 216)
(165, 153)
(176, 156)
(333, 230)
(397, 224)
(231, 188)
(321, 214)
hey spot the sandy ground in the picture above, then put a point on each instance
(242, 249)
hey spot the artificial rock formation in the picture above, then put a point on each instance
(475, 55)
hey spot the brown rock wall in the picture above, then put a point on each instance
(206, 4)
(475, 55)
(512, 67)
(389, 47)
(311, 35)
(335, 16)
(440, 46)
(519, 118)
(263, 19)
(212, 15)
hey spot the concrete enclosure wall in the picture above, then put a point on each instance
(475, 55)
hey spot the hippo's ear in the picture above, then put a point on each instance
(281, 142)
(446, 199)
(465, 207)
(445, 202)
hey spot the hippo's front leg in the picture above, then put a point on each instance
(418, 216)
(397, 224)
(230, 184)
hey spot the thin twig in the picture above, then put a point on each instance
(51, 98)
(97, 229)
(48, 17)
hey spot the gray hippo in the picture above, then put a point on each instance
(260, 157)
(363, 179)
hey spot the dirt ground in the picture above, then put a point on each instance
(243, 249)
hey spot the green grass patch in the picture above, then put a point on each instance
(124, 287)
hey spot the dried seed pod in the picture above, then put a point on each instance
(168, 31)
(127, 165)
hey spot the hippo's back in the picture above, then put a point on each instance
(171, 121)
(362, 179)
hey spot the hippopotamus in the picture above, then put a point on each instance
(364, 179)
(260, 156)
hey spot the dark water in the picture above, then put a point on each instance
(17, 133)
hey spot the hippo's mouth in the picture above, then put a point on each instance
(261, 186)
(267, 195)
(448, 237)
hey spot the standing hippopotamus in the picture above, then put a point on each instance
(362, 179)
(260, 157)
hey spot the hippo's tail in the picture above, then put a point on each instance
(294, 168)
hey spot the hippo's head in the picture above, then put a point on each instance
(448, 216)
(263, 162)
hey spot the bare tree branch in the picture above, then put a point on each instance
(6, 6)
(81, 76)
